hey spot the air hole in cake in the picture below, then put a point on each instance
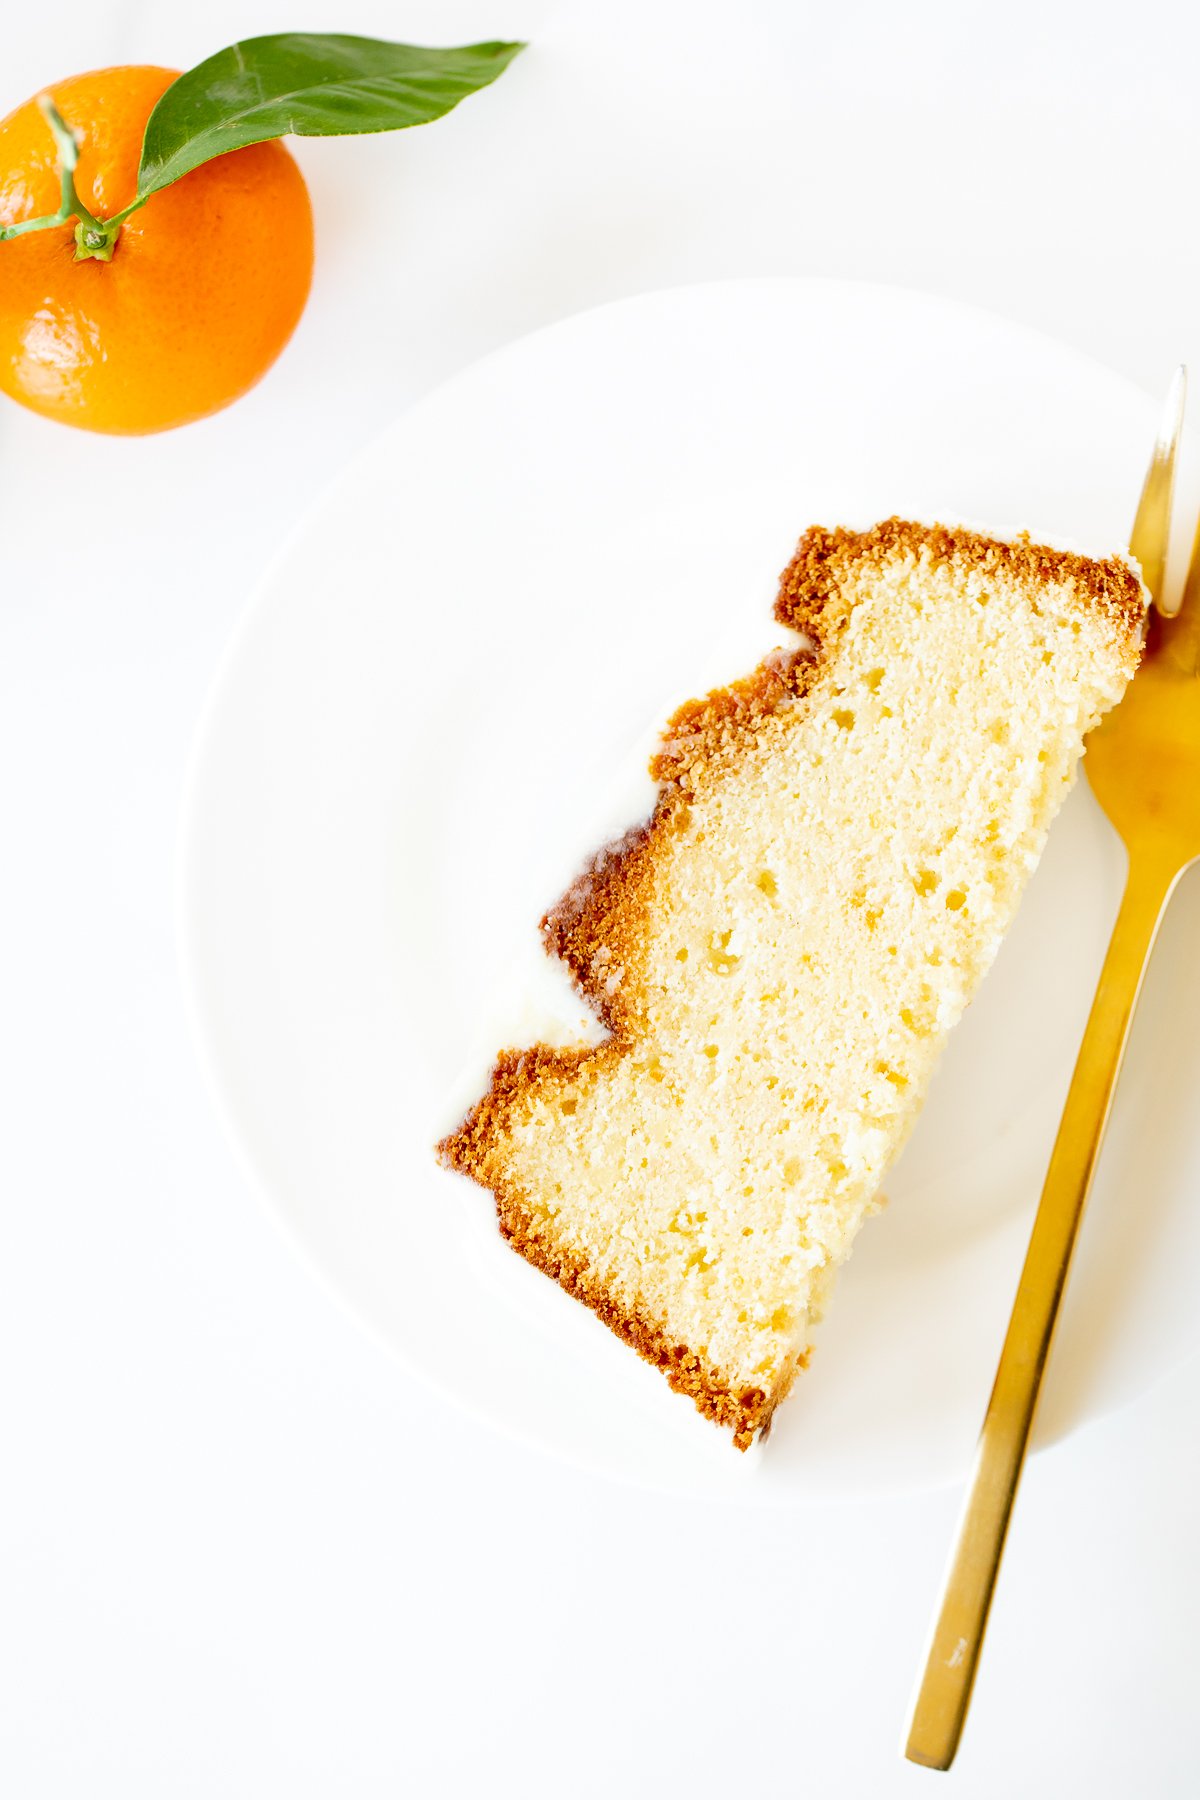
(844, 717)
(872, 680)
(924, 881)
(766, 883)
(998, 731)
(720, 960)
(955, 900)
(1047, 656)
(681, 954)
(569, 1106)
(710, 1050)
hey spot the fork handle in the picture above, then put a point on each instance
(940, 1707)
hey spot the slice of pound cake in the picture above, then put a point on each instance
(839, 844)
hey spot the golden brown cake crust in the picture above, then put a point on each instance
(600, 925)
(811, 579)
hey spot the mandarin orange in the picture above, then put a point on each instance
(206, 283)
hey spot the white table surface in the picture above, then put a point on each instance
(243, 1552)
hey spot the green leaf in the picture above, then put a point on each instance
(313, 86)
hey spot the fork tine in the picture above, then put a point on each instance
(1151, 532)
(1191, 583)
(1177, 635)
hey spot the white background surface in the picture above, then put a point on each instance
(242, 1553)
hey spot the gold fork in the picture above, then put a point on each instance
(1143, 762)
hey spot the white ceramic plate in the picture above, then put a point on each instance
(414, 736)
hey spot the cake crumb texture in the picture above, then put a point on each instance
(840, 841)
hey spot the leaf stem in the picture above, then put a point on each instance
(118, 219)
(68, 152)
(93, 236)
